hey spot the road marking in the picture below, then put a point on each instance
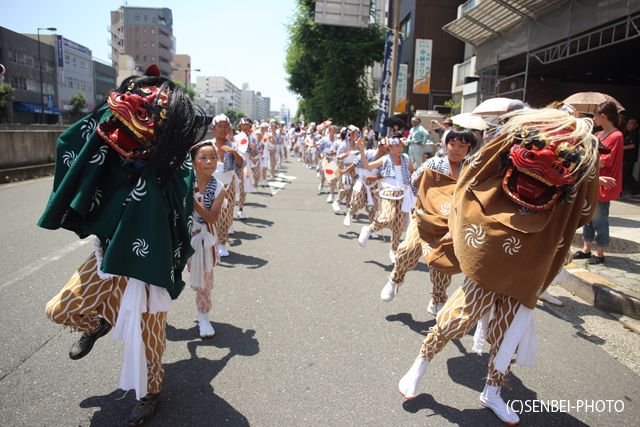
(278, 184)
(30, 269)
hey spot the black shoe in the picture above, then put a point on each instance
(582, 255)
(596, 260)
(83, 346)
(144, 409)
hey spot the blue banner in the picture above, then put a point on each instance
(60, 53)
(385, 86)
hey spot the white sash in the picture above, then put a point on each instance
(224, 177)
(391, 184)
(360, 184)
(202, 261)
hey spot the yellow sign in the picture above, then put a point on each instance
(401, 89)
(422, 66)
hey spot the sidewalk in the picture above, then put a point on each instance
(614, 286)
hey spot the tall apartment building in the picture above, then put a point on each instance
(145, 34)
(182, 69)
(220, 87)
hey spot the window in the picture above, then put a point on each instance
(144, 58)
(145, 17)
(153, 44)
(144, 44)
(153, 30)
(137, 16)
(83, 85)
(48, 89)
(76, 84)
(144, 31)
(69, 82)
(137, 57)
(74, 61)
(179, 76)
(178, 65)
(137, 43)
(405, 26)
(154, 19)
(18, 83)
(136, 30)
(153, 58)
(89, 86)
(83, 65)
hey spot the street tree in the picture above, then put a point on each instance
(189, 90)
(326, 65)
(234, 115)
(78, 103)
(6, 98)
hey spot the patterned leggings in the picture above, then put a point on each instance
(242, 197)
(203, 295)
(87, 297)
(407, 258)
(225, 219)
(255, 170)
(359, 201)
(272, 161)
(462, 312)
(390, 216)
(343, 193)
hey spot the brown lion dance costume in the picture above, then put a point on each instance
(524, 193)
(122, 174)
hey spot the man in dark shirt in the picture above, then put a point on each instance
(630, 156)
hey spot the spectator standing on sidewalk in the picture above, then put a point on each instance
(417, 139)
(630, 156)
(610, 168)
(443, 130)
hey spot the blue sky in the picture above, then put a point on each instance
(242, 40)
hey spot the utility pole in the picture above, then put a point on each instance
(394, 56)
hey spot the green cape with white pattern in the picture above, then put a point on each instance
(144, 234)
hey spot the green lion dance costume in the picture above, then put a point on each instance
(123, 175)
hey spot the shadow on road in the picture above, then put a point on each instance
(235, 259)
(187, 397)
(420, 327)
(257, 222)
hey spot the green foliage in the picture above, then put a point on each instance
(6, 95)
(453, 106)
(326, 65)
(78, 103)
(189, 90)
(234, 115)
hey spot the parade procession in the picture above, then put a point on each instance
(410, 247)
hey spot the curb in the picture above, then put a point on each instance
(601, 293)
(26, 172)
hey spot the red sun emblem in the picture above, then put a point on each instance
(329, 172)
(243, 142)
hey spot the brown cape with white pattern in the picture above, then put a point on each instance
(433, 204)
(504, 247)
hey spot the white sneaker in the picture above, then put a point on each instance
(255, 190)
(336, 206)
(329, 197)
(392, 256)
(231, 231)
(346, 211)
(287, 161)
(318, 174)
(206, 330)
(490, 398)
(320, 187)
(409, 383)
(546, 297)
(223, 250)
(364, 236)
(241, 215)
(299, 160)
(374, 236)
(264, 182)
(347, 220)
(389, 291)
(434, 308)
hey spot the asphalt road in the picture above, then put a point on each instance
(302, 336)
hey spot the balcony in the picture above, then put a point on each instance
(165, 41)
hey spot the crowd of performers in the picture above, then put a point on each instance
(138, 174)
(524, 192)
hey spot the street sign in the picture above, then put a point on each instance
(346, 13)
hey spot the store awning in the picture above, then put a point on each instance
(492, 18)
(25, 107)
